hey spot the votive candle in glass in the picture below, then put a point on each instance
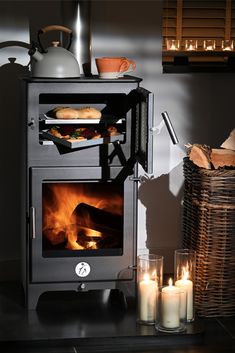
(190, 44)
(149, 279)
(184, 271)
(172, 44)
(209, 44)
(227, 45)
(168, 316)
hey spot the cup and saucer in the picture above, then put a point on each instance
(114, 67)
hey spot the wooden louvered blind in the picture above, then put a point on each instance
(199, 19)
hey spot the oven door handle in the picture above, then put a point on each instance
(32, 222)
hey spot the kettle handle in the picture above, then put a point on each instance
(54, 28)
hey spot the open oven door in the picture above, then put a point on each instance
(144, 133)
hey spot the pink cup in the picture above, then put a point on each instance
(114, 67)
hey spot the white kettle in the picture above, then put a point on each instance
(55, 61)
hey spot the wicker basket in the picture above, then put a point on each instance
(209, 228)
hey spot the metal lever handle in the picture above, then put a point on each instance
(170, 128)
(32, 222)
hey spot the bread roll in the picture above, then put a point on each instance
(67, 113)
(89, 113)
(80, 113)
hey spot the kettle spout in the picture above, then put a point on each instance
(34, 53)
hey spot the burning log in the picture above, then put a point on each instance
(99, 220)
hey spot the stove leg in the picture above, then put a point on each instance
(32, 297)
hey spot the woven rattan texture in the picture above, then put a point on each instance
(209, 228)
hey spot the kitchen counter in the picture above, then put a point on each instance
(98, 321)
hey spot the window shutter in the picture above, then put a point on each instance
(198, 19)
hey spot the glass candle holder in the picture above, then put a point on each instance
(169, 318)
(149, 279)
(227, 45)
(209, 44)
(190, 44)
(184, 272)
(172, 44)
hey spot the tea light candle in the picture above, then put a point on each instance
(170, 306)
(209, 44)
(227, 45)
(148, 290)
(172, 44)
(190, 44)
(187, 286)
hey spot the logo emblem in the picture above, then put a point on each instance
(82, 269)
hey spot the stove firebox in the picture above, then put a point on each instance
(80, 199)
(85, 218)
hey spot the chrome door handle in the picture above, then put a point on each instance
(32, 222)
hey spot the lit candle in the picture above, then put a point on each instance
(148, 290)
(191, 44)
(227, 45)
(170, 306)
(209, 44)
(172, 47)
(187, 286)
(172, 44)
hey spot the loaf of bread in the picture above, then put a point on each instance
(77, 113)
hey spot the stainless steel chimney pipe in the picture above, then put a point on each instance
(76, 16)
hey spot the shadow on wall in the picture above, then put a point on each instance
(10, 172)
(163, 213)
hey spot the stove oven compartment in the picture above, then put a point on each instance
(123, 104)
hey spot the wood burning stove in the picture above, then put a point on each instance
(80, 227)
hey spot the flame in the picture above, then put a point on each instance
(146, 277)
(185, 273)
(154, 274)
(170, 282)
(58, 224)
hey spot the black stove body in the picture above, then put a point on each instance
(80, 227)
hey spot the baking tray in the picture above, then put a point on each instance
(105, 119)
(82, 143)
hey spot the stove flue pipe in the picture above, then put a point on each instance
(76, 16)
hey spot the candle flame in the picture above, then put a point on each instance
(185, 273)
(170, 282)
(146, 277)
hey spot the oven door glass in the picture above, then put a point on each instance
(82, 217)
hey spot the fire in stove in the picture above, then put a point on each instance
(82, 216)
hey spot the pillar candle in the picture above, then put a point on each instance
(148, 292)
(187, 286)
(170, 306)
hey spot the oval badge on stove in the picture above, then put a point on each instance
(82, 269)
